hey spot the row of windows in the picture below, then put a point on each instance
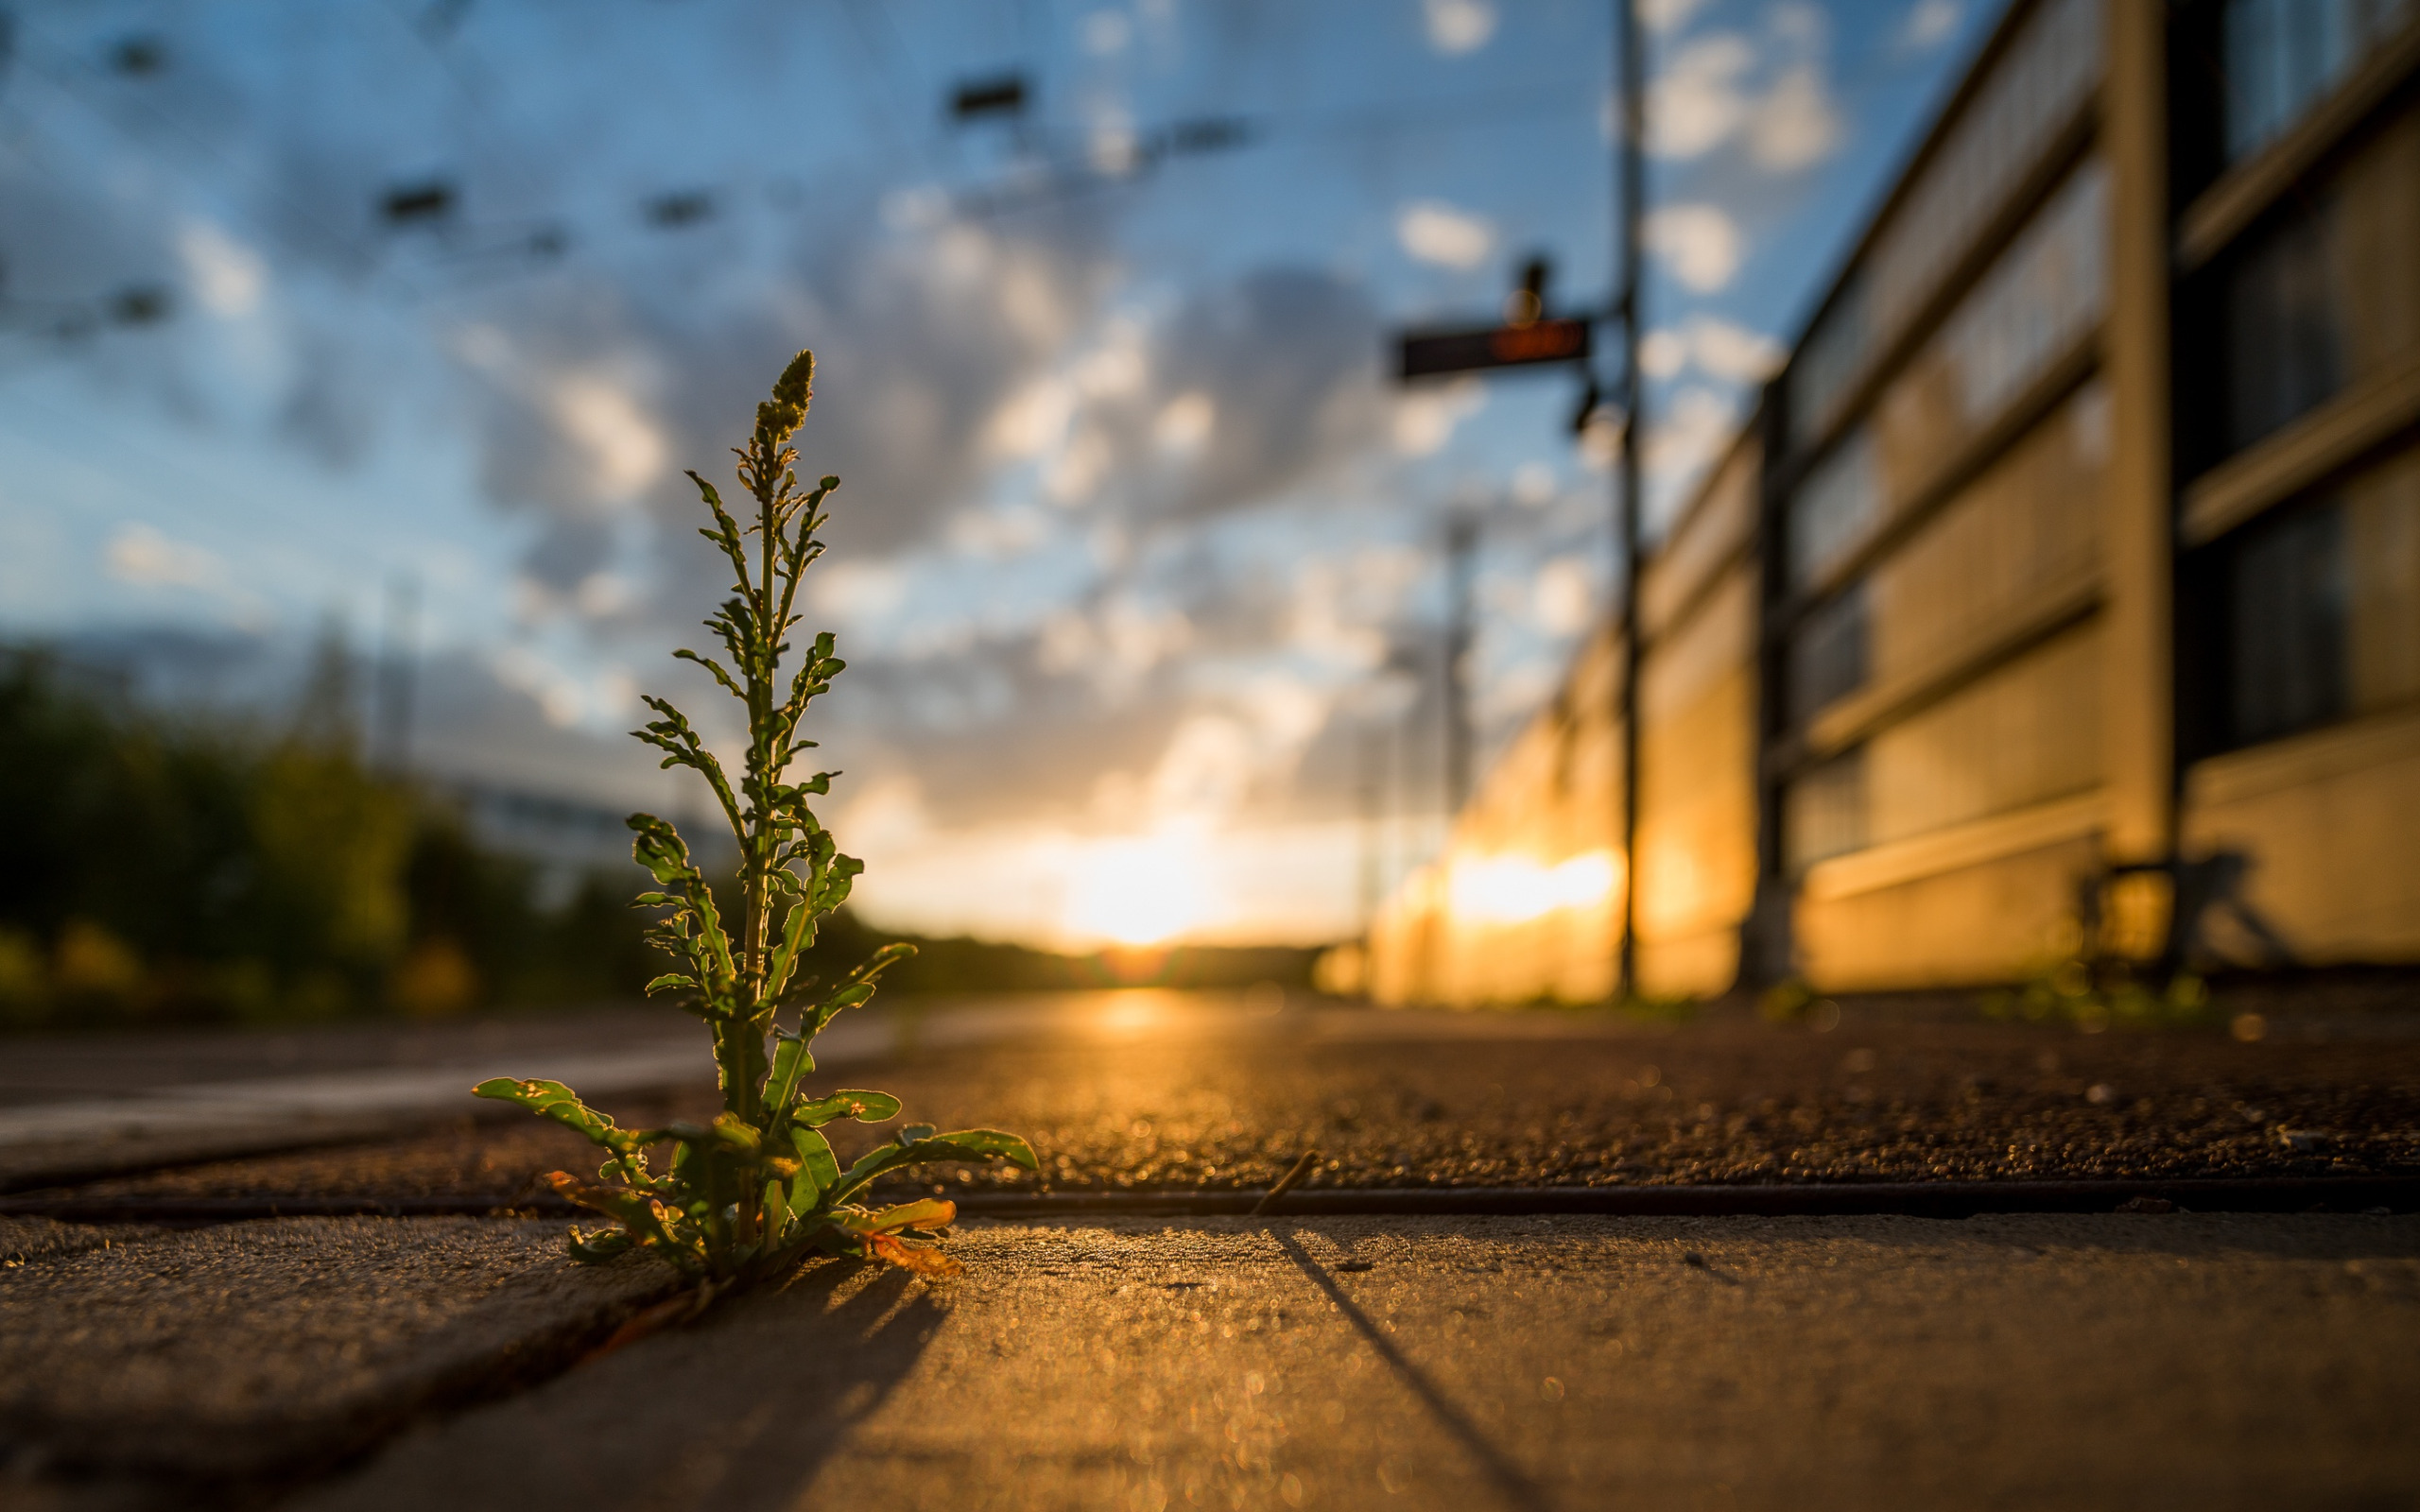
(2027, 733)
(2322, 607)
(2042, 297)
(2313, 614)
(2049, 71)
(2329, 294)
(2283, 55)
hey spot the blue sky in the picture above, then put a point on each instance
(1133, 523)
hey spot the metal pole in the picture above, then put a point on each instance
(1631, 201)
(1462, 544)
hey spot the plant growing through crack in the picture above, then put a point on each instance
(759, 1188)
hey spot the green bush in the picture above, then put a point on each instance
(157, 871)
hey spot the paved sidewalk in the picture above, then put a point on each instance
(2123, 1362)
(166, 1363)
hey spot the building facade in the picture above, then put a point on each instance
(2066, 581)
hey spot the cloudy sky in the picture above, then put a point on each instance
(314, 309)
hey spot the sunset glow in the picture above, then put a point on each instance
(1138, 891)
(1512, 888)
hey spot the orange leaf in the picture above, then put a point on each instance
(930, 1264)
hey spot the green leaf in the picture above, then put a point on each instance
(668, 980)
(735, 1133)
(866, 1107)
(791, 1061)
(594, 1249)
(924, 1212)
(817, 1171)
(992, 1144)
(971, 1144)
(552, 1099)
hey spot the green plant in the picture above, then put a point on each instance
(2095, 996)
(759, 1188)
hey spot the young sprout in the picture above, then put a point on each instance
(758, 1188)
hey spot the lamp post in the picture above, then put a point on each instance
(1629, 213)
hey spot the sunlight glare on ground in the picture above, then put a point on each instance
(1133, 1012)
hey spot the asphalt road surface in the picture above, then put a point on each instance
(1162, 1090)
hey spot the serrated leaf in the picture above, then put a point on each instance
(552, 1099)
(865, 1107)
(982, 1144)
(992, 1144)
(818, 1171)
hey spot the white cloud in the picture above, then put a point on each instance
(1698, 100)
(1724, 86)
(1115, 148)
(857, 592)
(1718, 347)
(1458, 26)
(1684, 437)
(1700, 243)
(1796, 126)
(1663, 353)
(1563, 595)
(226, 275)
(1426, 418)
(598, 699)
(1435, 232)
(1930, 23)
(137, 554)
(1107, 32)
(1663, 16)
(921, 207)
(1185, 423)
(1533, 484)
(1034, 421)
(624, 450)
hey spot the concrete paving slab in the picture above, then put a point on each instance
(202, 1357)
(2179, 1361)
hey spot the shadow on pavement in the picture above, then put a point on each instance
(1514, 1483)
(738, 1413)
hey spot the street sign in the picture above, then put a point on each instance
(1430, 353)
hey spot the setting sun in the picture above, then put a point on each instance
(1137, 892)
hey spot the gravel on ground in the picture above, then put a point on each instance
(1231, 1106)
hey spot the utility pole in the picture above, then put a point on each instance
(1370, 744)
(1461, 549)
(392, 745)
(1631, 201)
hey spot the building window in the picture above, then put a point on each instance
(2283, 55)
(1827, 657)
(2326, 297)
(2322, 608)
(2035, 89)
(1824, 813)
(1833, 509)
(2034, 309)
(2286, 590)
(2284, 327)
